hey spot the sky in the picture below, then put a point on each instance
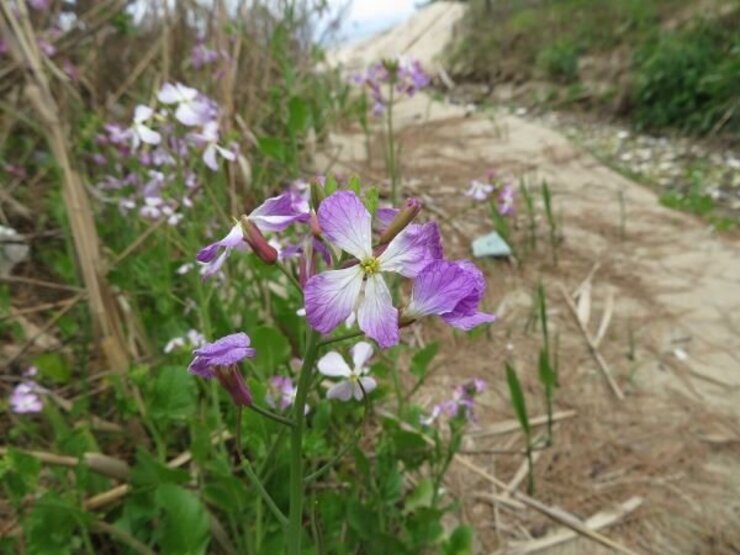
(366, 17)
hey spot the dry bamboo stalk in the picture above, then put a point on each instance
(602, 519)
(509, 426)
(592, 347)
(606, 318)
(77, 204)
(102, 464)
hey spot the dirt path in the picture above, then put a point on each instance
(673, 345)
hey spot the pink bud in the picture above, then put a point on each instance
(257, 241)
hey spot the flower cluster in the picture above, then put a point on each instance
(460, 406)
(192, 338)
(27, 396)
(404, 75)
(151, 166)
(481, 189)
(343, 261)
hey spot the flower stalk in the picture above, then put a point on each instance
(295, 517)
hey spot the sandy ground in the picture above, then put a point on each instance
(673, 344)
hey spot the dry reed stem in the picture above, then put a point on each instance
(77, 204)
(592, 347)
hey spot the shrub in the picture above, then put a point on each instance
(559, 61)
(688, 79)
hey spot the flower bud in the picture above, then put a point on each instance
(405, 216)
(306, 264)
(313, 224)
(318, 194)
(257, 241)
(232, 381)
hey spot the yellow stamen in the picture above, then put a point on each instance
(370, 266)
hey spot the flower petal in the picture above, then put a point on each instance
(142, 113)
(148, 135)
(341, 391)
(377, 316)
(209, 157)
(277, 213)
(345, 222)
(361, 353)
(412, 250)
(439, 288)
(333, 364)
(330, 297)
(468, 322)
(368, 384)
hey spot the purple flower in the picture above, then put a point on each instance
(219, 360)
(479, 190)
(27, 397)
(506, 196)
(281, 392)
(331, 296)
(460, 406)
(275, 214)
(451, 290)
(355, 380)
(201, 56)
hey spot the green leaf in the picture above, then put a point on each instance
(331, 185)
(421, 359)
(517, 398)
(299, 115)
(372, 199)
(173, 396)
(184, 528)
(52, 525)
(547, 375)
(273, 349)
(148, 472)
(53, 366)
(354, 184)
(422, 496)
(272, 147)
(460, 541)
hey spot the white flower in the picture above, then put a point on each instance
(190, 109)
(209, 135)
(355, 380)
(141, 133)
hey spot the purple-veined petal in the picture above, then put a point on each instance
(368, 384)
(276, 213)
(361, 353)
(333, 364)
(341, 391)
(331, 296)
(345, 222)
(468, 322)
(439, 288)
(230, 349)
(377, 316)
(408, 253)
(213, 267)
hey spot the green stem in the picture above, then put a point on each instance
(290, 276)
(351, 335)
(263, 492)
(251, 474)
(271, 415)
(295, 524)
